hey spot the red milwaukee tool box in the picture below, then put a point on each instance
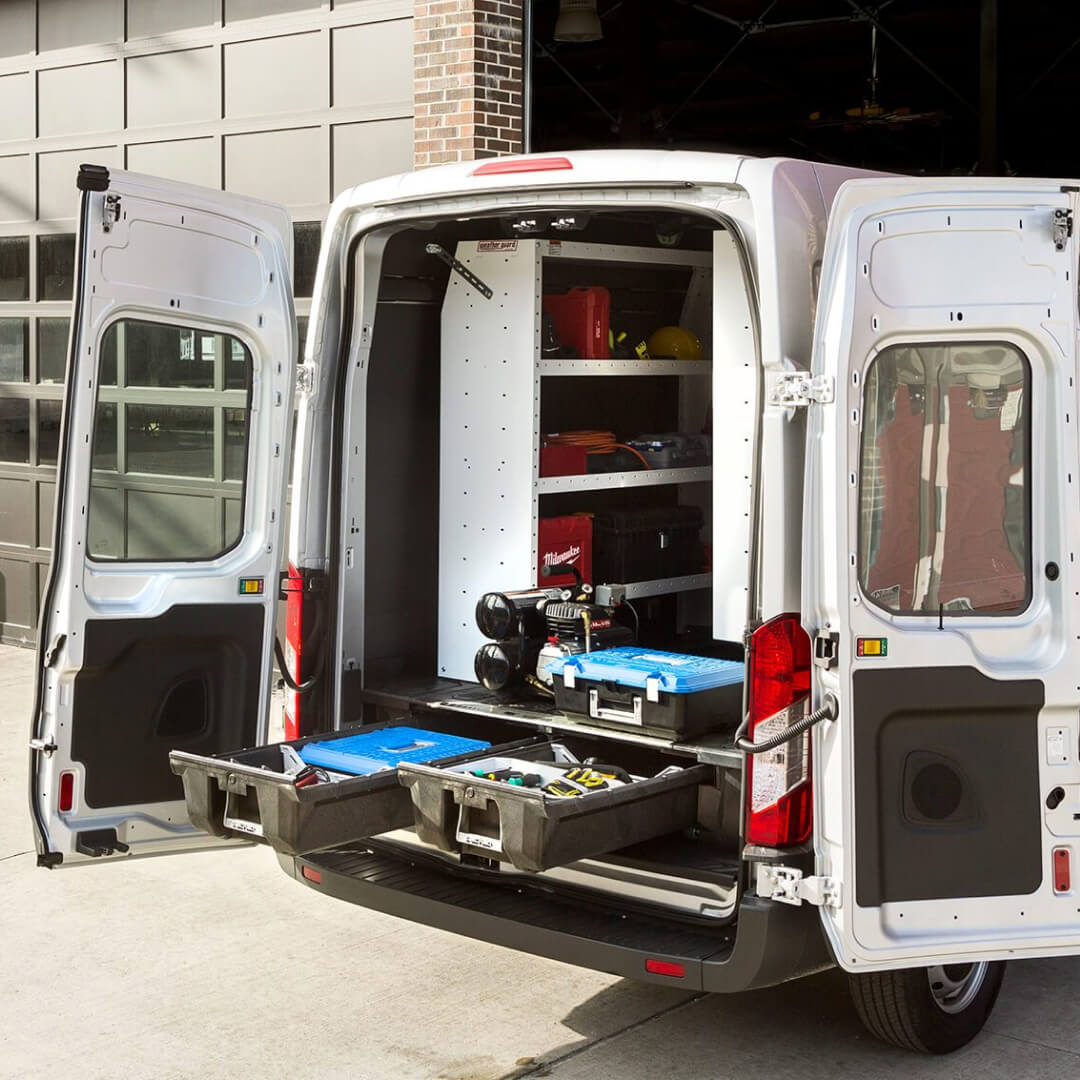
(564, 541)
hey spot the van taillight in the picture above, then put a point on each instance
(294, 628)
(778, 803)
(66, 799)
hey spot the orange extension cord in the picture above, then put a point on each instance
(594, 442)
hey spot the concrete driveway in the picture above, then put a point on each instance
(216, 965)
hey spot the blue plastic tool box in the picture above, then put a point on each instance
(373, 751)
(671, 693)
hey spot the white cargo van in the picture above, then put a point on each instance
(885, 534)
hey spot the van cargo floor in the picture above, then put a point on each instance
(575, 931)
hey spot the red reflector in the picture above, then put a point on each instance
(1062, 870)
(666, 967)
(312, 875)
(505, 166)
(66, 799)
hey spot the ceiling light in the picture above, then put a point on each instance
(578, 21)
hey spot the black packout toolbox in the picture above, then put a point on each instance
(646, 543)
(667, 693)
(459, 811)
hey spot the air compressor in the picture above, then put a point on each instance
(532, 628)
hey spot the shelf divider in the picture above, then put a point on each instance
(576, 366)
(551, 485)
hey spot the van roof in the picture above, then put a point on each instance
(586, 167)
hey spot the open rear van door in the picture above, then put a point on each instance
(940, 579)
(158, 617)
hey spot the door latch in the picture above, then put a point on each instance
(1062, 227)
(799, 389)
(826, 650)
(787, 885)
(41, 746)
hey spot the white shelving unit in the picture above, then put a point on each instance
(492, 372)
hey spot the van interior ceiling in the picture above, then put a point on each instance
(655, 270)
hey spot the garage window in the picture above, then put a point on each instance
(944, 497)
(170, 446)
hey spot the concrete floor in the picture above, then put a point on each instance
(216, 965)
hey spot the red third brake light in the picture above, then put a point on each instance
(510, 166)
(294, 628)
(779, 807)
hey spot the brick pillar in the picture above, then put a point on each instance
(466, 80)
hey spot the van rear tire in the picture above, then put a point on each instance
(932, 1010)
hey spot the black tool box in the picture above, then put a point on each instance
(647, 542)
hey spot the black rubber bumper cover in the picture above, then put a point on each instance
(770, 943)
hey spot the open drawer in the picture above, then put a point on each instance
(459, 811)
(250, 793)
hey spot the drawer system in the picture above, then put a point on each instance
(532, 803)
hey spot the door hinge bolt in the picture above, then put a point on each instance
(110, 213)
(787, 885)
(798, 389)
(1062, 228)
(47, 748)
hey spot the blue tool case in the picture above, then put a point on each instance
(670, 693)
(374, 751)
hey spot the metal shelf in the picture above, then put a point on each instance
(579, 251)
(551, 485)
(638, 590)
(573, 366)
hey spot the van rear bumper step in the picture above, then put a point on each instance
(770, 944)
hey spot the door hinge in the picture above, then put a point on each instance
(110, 213)
(797, 389)
(47, 748)
(787, 885)
(826, 650)
(306, 379)
(1062, 227)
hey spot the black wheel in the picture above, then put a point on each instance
(931, 1010)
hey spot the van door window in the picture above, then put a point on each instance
(944, 501)
(169, 455)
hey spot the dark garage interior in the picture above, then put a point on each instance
(956, 87)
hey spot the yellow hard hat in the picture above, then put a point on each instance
(675, 342)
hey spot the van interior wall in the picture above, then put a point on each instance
(401, 534)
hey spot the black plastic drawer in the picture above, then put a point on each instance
(460, 812)
(247, 793)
